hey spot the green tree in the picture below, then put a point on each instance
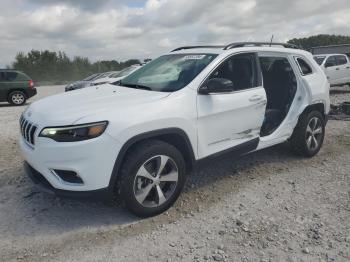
(320, 40)
(57, 67)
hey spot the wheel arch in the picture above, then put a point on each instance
(319, 106)
(16, 89)
(174, 136)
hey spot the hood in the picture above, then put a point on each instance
(68, 108)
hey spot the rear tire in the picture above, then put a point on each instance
(17, 98)
(308, 135)
(152, 178)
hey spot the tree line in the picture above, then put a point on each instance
(320, 40)
(57, 67)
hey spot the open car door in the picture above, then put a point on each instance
(232, 120)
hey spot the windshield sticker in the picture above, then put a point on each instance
(193, 57)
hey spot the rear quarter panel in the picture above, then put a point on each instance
(318, 84)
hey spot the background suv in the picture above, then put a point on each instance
(336, 67)
(15, 87)
(140, 137)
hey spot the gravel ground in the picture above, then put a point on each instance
(340, 94)
(267, 206)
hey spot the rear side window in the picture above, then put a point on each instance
(2, 76)
(341, 60)
(11, 76)
(305, 68)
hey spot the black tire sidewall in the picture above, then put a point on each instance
(299, 136)
(129, 172)
(17, 92)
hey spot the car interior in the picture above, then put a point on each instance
(240, 70)
(279, 82)
(280, 86)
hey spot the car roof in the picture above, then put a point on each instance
(220, 51)
(237, 47)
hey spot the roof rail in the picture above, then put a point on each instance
(242, 44)
(238, 44)
(198, 46)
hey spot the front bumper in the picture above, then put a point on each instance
(43, 185)
(92, 160)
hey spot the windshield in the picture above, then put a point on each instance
(124, 72)
(168, 73)
(319, 59)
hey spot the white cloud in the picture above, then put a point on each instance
(165, 42)
(124, 29)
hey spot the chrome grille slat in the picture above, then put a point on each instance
(24, 128)
(28, 130)
(32, 137)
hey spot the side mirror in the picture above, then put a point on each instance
(216, 85)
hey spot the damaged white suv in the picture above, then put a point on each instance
(139, 138)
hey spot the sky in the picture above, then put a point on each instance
(120, 30)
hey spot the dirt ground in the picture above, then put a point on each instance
(267, 206)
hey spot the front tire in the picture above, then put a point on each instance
(17, 98)
(308, 135)
(152, 178)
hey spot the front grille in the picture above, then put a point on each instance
(27, 130)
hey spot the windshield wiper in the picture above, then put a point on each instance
(136, 86)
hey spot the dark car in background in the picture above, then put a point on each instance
(15, 87)
(86, 81)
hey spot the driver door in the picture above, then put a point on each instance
(234, 119)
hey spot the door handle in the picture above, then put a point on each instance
(337, 68)
(348, 67)
(255, 98)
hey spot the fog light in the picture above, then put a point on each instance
(68, 176)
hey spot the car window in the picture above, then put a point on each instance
(2, 76)
(168, 73)
(9, 76)
(240, 69)
(331, 61)
(319, 59)
(305, 68)
(341, 60)
(124, 72)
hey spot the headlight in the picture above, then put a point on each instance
(74, 133)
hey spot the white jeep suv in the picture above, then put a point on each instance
(140, 138)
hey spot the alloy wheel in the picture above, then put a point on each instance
(17, 98)
(155, 181)
(314, 132)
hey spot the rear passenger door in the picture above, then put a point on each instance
(234, 119)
